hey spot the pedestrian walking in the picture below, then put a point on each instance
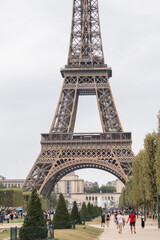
(103, 219)
(120, 222)
(115, 219)
(124, 220)
(142, 221)
(132, 219)
(108, 219)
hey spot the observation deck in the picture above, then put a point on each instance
(87, 137)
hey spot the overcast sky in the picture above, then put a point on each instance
(34, 42)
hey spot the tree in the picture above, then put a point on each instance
(75, 215)
(139, 179)
(34, 226)
(107, 189)
(157, 142)
(94, 189)
(150, 167)
(90, 210)
(84, 213)
(61, 218)
(11, 197)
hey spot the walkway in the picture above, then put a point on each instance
(151, 231)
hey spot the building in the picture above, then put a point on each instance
(70, 184)
(117, 184)
(73, 189)
(90, 184)
(9, 183)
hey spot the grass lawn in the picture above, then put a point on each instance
(95, 221)
(19, 220)
(81, 232)
(5, 235)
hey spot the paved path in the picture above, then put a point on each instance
(150, 232)
(9, 225)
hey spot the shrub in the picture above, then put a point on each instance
(34, 226)
(84, 213)
(75, 216)
(61, 218)
(12, 197)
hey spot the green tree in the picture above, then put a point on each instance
(52, 201)
(75, 215)
(107, 189)
(122, 200)
(90, 210)
(10, 197)
(61, 218)
(157, 142)
(34, 226)
(94, 189)
(84, 213)
(138, 179)
(150, 167)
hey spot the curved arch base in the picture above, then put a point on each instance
(54, 162)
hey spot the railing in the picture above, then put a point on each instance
(108, 136)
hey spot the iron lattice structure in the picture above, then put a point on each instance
(63, 151)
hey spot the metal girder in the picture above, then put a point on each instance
(85, 42)
(59, 158)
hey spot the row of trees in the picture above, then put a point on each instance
(142, 188)
(15, 197)
(102, 189)
(62, 219)
(35, 227)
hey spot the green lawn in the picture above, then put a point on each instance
(5, 235)
(19, 220)
(81, 232)
(95, 221)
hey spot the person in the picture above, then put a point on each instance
(108, 219)
(142, 221)
(124, 220)
(132, 219)
(120, 220)
(102, 219)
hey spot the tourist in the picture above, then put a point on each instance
(103, 219)
(115, 219)
(124, 220)
(142, 221)
(132, 219)
(108, 219)
(120, 220)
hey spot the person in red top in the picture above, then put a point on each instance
(132, 218)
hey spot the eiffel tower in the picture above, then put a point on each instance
(62, 150)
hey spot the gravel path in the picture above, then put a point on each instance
(150, 232)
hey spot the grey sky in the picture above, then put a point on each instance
(34, 41)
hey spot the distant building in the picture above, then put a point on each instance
(73, 189)
(9, 183)
(69, 184)
(117, 184)
(90, 184)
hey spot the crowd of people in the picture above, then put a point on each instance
(120, 220)
(8, 215)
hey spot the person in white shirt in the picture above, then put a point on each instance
(120, 219)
